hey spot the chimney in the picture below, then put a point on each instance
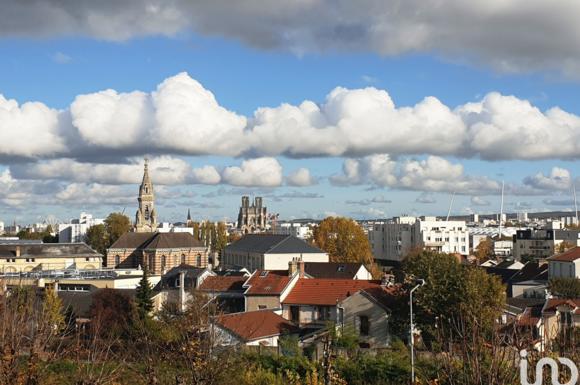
(17, 252)
(292, 267)
(182, 291)
(301, 268)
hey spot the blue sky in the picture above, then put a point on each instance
(54, 68)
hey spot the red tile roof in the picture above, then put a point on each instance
(255, 325)
(223, 284)
(264, 282)
(325, 291)
(567, 256)
(528, 318)
(553, 303)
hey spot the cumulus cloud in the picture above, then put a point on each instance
(367, 202)
(301, 178)
(183, 118)
(559, 202)
(479, 31)
(479, 201)
(434, 174)
(426, 198)
(264, 172)
(558, 179)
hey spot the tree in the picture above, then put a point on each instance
(97, 238)
(485, 250)
(113, 311)
(564, 246)
(565, 287)
(143, 295)
(344, 240)
(452, 291)
(116, 225)
(221, 237)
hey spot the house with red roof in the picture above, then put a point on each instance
(560, 314)
(261, 327)
(313, 302)
(565, 265)
(229, 291)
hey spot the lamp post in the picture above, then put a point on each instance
(420, 282)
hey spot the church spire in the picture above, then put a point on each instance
(146, 217)
(188, 215)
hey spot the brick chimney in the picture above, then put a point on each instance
(292, 267)
(301, 268)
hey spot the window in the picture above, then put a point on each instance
(364, 325)
(198, 260)
(151, 264)
(295, 314)
(183, 259)
(323, 313)
(86, 259)
(163, 262)
(566, 319)
(262, 307)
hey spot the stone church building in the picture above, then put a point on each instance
(146, 217)
(254, 218)
(147, 248)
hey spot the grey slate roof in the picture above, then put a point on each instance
(47, 250)
(331, 269)
(156, 241)
(272, 244)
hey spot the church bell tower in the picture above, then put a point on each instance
(146, 217)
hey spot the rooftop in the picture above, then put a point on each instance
(255, 325)
(332, 269)
(47, 250)
(567, 256)
(156, 241)
(326, 292)
(272, 244)
(223, 284)
(264, 282)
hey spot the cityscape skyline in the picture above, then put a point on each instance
(316, 129)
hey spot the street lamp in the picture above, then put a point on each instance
(420, 282)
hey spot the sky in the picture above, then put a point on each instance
(368, 109)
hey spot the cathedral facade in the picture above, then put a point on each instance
(146, 217)
(254, 218)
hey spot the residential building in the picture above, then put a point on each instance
(543, 243)
(298, 230)
(76, 230)
(337, 270)
(367, 313)
(266, 289)
(21, 257)
(269, 252)
(559, 314)
(393, 240)
(258, 328)
(313, 302)
(565, 265)
(252, 218)
(228, 290)
(158, 252)
(503, 248)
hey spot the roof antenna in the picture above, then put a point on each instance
(450, 204)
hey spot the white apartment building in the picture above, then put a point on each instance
(543, 243)
(298, 230)
(393, 240)
(76, 230)
(1, 227)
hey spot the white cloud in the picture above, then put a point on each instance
(264, 172)
(481, 31)
(426, 198)
(183, 118)
(559, 179)
(479, 201)
(433, 174)
(301, 178)
(367, 202)
(29, 130)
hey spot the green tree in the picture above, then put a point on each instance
(116, 225)
(221, 237)
(452, 292)
(344, 240)
(565, 287)
(97, 238)
(144, 295)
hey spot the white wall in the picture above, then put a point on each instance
(280, 261)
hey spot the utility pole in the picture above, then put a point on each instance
(420, 282)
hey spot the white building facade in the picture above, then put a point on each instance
(76, 230)
(393, 240)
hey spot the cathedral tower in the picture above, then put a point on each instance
(146, 217)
